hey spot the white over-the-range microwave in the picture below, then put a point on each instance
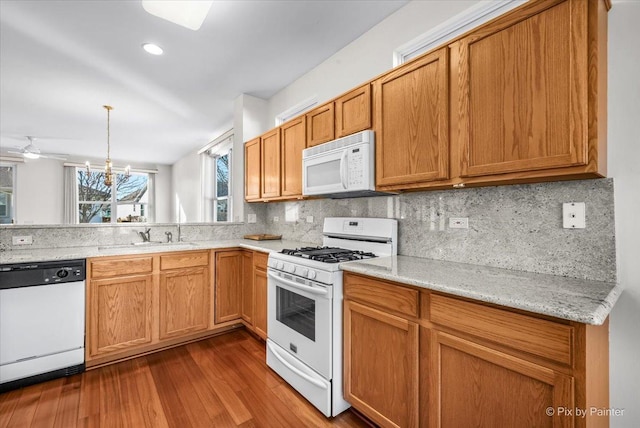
(341, 168)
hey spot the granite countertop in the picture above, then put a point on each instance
(69, 253)
(584, 301)
(568, 298)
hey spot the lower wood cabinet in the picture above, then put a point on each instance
(421, 358)
(184, 301)
(138, 304)
(381, 365)
(119, 314)
(254, 292)
(474, 385)
(228, 292)
(260, 294)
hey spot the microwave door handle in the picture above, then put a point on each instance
(296, 285)
(304, 376)
(343, 169)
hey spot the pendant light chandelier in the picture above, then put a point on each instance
(108, 173)
(108, 166)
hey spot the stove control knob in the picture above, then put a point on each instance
(304, 271)
(289, 268)
(279, 265)
(311, 274)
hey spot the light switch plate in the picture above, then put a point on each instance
(574, 215)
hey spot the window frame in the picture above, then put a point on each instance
(11, 200)
(113, 202)
(220, 147)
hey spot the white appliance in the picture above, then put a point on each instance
(304, 308)
(41, 321)
(341, 168)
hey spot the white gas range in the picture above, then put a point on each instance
(304, 344)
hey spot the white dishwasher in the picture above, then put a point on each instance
(41, 321)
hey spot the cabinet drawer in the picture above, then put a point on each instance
(382, 294)
(260, 260)
(120, 267)
(529, 334)
(184, 260)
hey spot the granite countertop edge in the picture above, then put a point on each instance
(591, 306)
(564, 298)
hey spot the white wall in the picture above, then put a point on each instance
(186, 193)
(624, 167)
(164, 183)
(366, 57)
(39, 192)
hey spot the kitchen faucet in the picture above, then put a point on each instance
(146, 235)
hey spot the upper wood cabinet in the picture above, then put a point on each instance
(293, 142)
(353, 111)
(411, 105)
(320, 125)
(531, 94)
(270, 154)
(252, 170)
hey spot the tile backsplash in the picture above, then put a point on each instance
(513, 227)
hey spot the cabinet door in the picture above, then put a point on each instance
(523, 92)
(247, 287)
(381, 365)
(474, 385)
(412, 122)
(270, 151)
(184, 301)
(260, 309)
(120, 314)
(353, 111)
(252, 170)
(228, 285)
(320, 125)
(293, 142)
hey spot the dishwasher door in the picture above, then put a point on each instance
(41, 329)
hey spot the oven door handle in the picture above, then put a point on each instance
(300, 373)
(313, 290)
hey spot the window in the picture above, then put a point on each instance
(96, 203)
(217, 187)
(7, 192)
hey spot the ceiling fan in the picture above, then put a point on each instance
(31, 151)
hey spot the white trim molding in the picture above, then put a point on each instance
(477, 14)
(297, 109)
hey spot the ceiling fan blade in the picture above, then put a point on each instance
(19, 152)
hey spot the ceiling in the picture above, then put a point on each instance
(61, 61)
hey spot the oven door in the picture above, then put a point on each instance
(299, 319)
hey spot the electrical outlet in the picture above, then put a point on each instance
(574, 215)
(276, 219)
(309, 219)
(22, 240)
(458, 222)
(251, 218)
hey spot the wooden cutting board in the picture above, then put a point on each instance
(263, 237)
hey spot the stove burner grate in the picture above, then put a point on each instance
(328, 254)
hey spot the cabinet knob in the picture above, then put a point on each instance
(458, 186)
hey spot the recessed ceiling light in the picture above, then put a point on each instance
(152, 49)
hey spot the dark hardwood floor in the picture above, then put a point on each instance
(219, 382)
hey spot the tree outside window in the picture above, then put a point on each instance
(96, 203)
(7, 191)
